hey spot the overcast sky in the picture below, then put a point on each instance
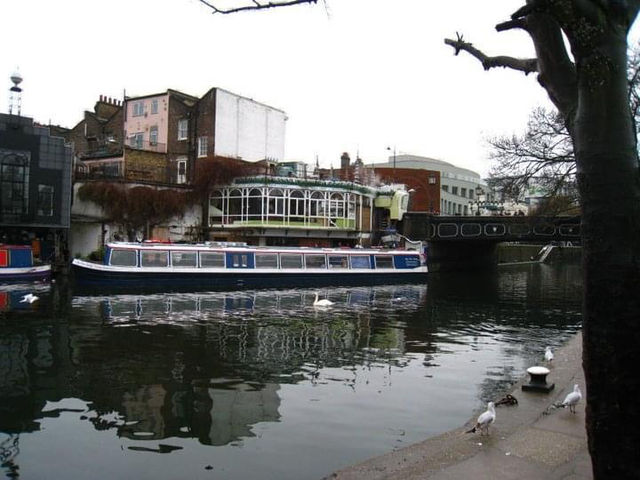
(357, 76)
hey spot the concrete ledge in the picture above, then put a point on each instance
(525, 442)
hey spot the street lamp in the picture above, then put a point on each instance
(394, 162)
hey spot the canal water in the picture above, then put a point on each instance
(260, 384)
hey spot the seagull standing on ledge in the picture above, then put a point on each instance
(572, 399)
(484, 420)
(322, 303)
(548, 354)
(29, 297)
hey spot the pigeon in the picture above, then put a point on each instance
(29, 297)
(548, 354)
(572, 399)
(484, 420)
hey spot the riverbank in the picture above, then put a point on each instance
(524, 443)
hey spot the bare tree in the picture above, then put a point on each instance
(591, 92)
(543, 156)
(253, 5)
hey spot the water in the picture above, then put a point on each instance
(259, 384)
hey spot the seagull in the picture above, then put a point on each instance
(548, 354)
(29, 297)
(322, 303)
(572, 399)
(484, 420)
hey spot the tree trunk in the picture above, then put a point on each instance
(609, 184)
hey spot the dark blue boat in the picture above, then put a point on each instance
(16, 264)
(211, 266)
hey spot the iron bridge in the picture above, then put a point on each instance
(435, 228)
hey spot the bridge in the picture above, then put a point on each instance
(464, 242)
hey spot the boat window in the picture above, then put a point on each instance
(315, 261)
(266, 260)
(211, 259)
(290, 260)
(123, 258)
(184, 259)
(384, 261)
(360, 261)
(239, 260)
(150, 258)
(338, 261)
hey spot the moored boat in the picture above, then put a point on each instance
(17, 264)
(215, 265)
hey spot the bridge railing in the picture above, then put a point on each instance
(496, 228)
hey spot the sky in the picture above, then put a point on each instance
(365, 77)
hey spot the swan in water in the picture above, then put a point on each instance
(29, 297)
(322, 303)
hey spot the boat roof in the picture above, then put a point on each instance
(243, 247)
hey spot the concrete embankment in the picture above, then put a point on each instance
(521, 253)
(528, 441)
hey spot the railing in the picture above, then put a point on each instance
(145, 145)
(491, 229)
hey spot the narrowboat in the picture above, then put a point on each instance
(219, 265)
(16, 264)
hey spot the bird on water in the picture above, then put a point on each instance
(322, 303)
(29, 297)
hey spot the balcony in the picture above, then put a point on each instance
(137, 144)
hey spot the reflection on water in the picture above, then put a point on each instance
(260, 384)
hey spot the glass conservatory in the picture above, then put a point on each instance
(272, 202)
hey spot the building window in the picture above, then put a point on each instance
(14, 183)
(445, 188)
(137, 140)
(138, 109)
(45, 200)
(454, 190)
(182, 172)
(202, 146)
(153, 135)
(463, 192)
(154, 106)
(183, 129)
(432, 180)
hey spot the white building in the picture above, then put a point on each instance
(247, 129)
(461, 189)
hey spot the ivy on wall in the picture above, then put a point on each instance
(136, 208)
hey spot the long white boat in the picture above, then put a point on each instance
(215, 265)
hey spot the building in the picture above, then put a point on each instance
(271, 210)
(166, 133)
(460, 189)
(35, 187)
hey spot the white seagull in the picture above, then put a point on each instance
(548, 354)
(29, 297)
(485, 419)
(322, 303)
(572, 399)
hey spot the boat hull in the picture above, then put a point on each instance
(22, 274)
(89, 279)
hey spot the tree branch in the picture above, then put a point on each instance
(256, 6)
(528, 65)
